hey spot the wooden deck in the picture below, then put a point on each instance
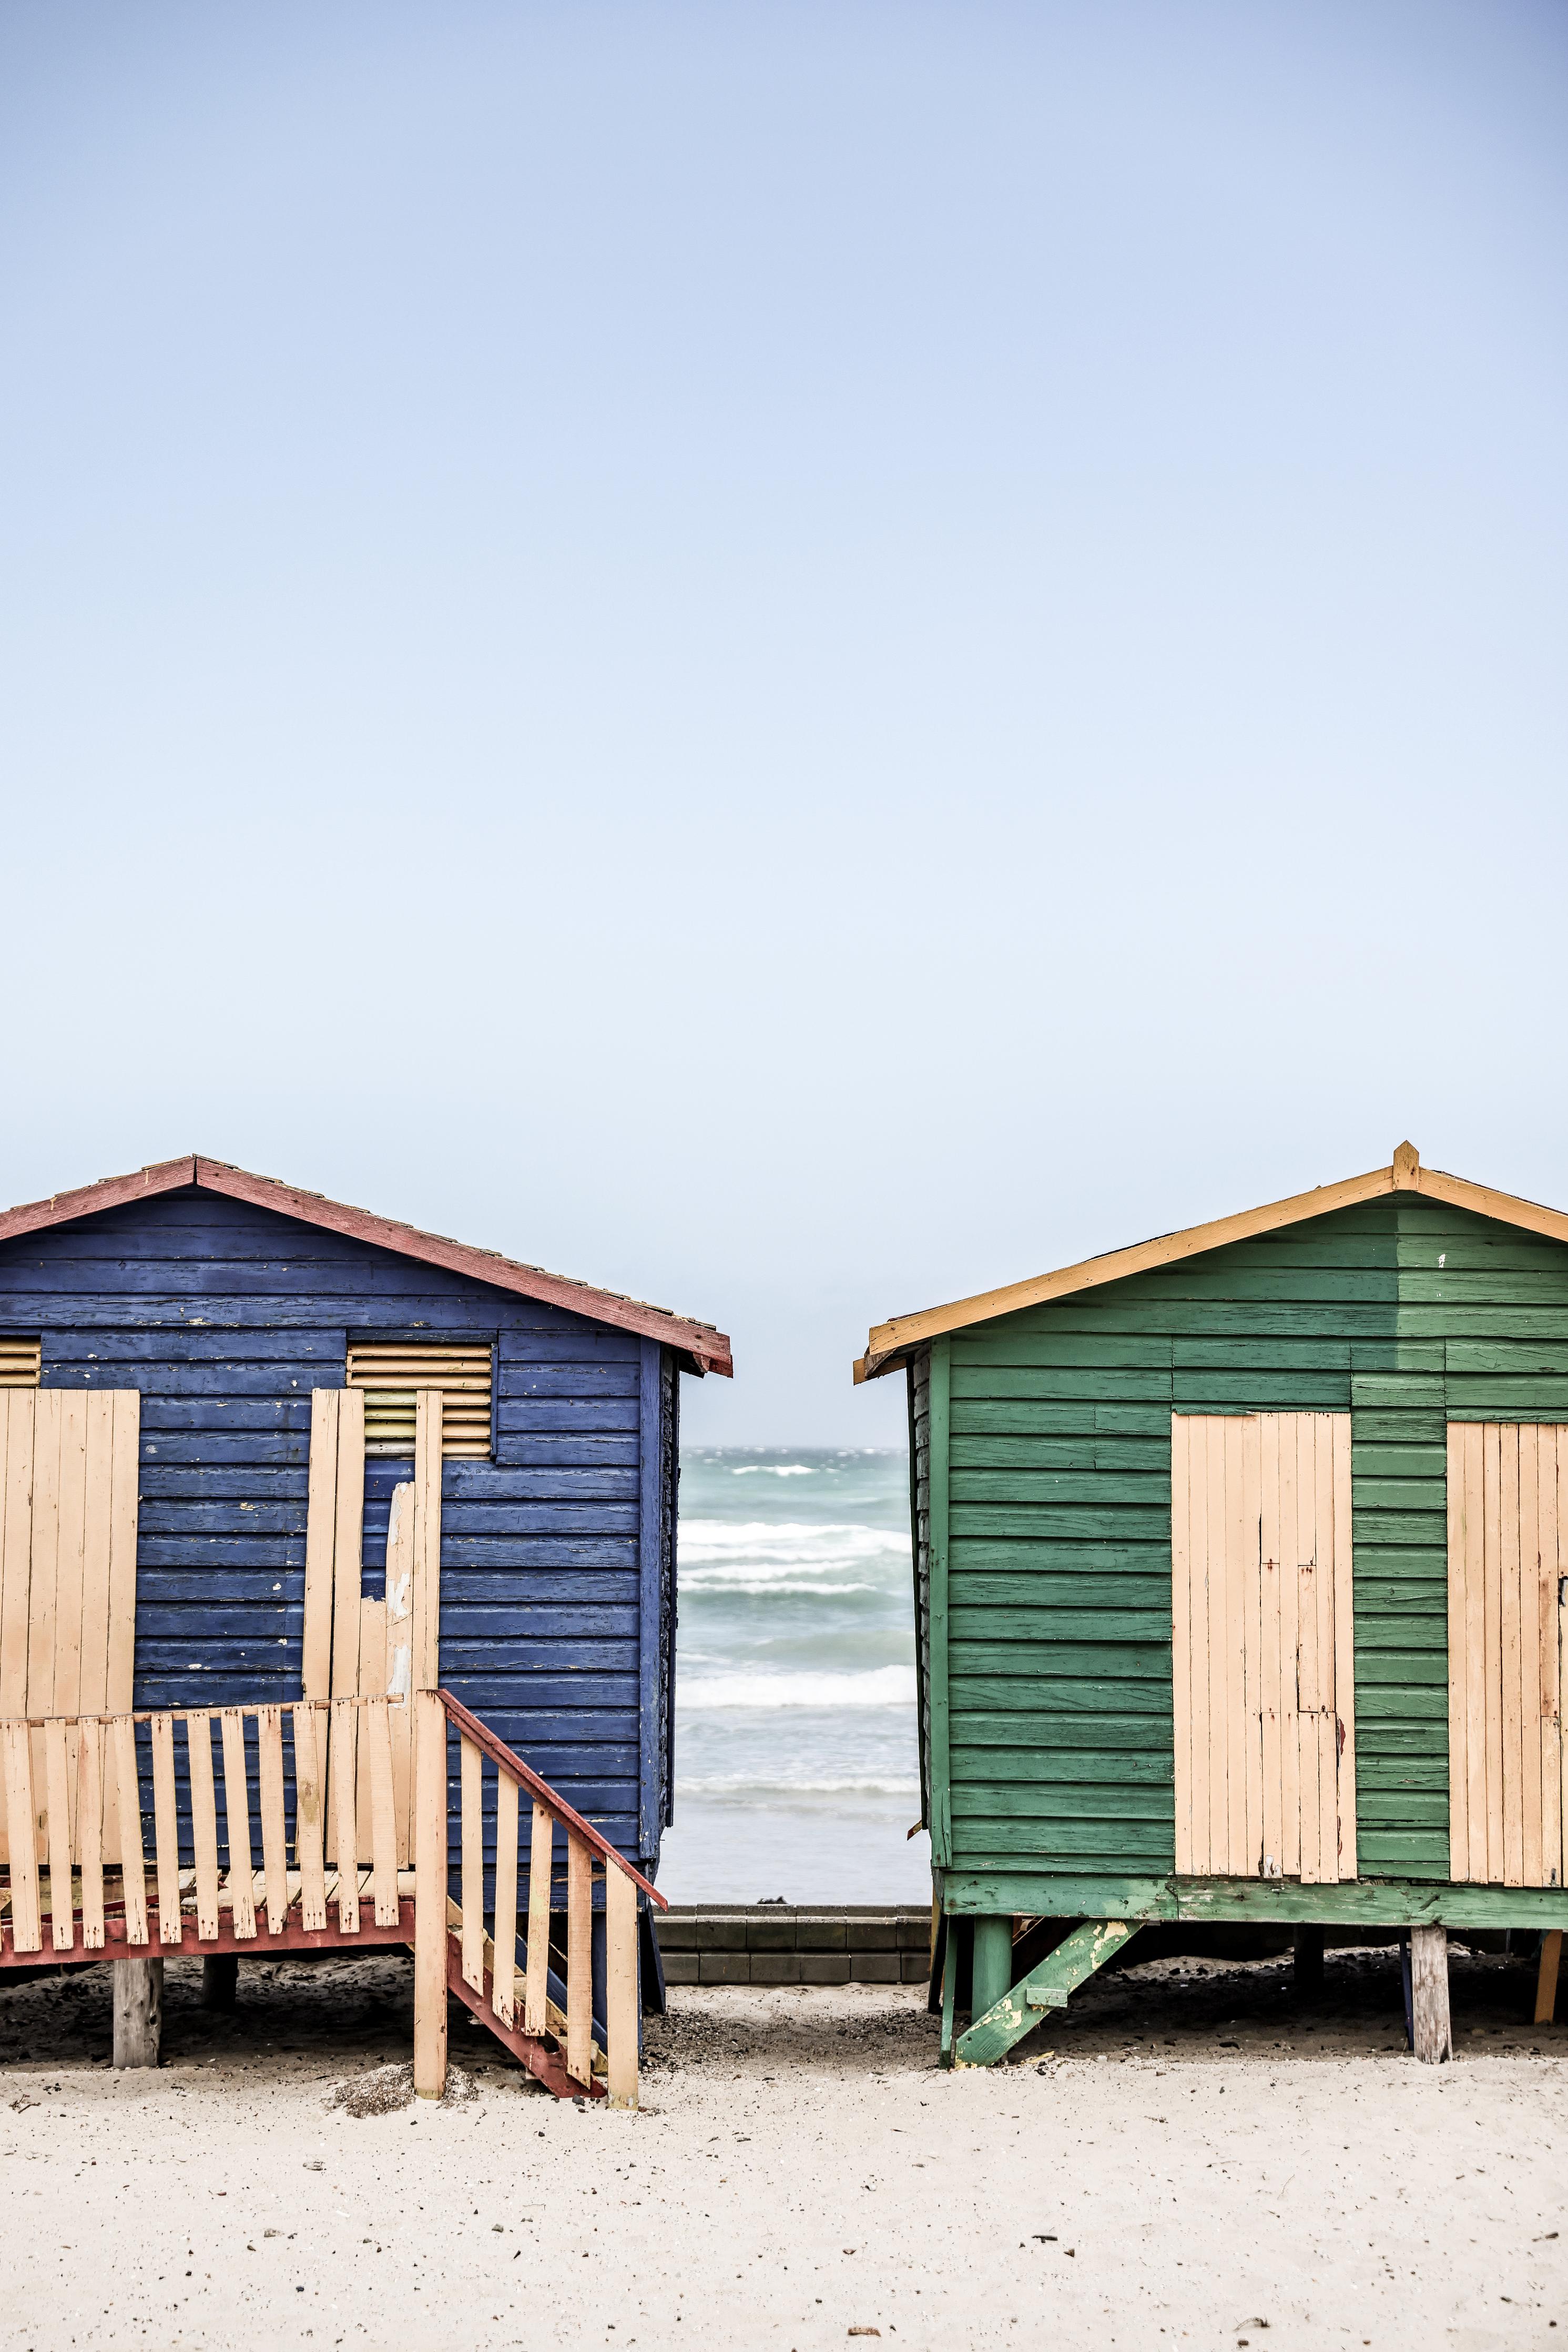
(65, 1900)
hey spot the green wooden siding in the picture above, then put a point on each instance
(1057, 1515)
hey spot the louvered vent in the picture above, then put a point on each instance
(19, 1362)
(389, 1375)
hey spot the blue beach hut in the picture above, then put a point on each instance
(212, 1531)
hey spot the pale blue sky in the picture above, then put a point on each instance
(798, 659)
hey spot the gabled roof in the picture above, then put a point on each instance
(708, 1349)
(890, 1344)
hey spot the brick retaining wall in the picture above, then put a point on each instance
(781, 1943)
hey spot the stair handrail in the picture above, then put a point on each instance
(454, 1952)
(506, 1760)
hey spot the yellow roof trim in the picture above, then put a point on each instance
(889, 1344)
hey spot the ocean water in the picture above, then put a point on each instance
(796, 1772)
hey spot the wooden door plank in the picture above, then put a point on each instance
(579, 1959)
(90, 1830)
(237, 1825)
(1492, 1480)
(372, 1685)
(343, 1793)
(1344, 1649)
(1529, 1653)
(97, 1484)
(1324, 1593)
(1550, 1650)
(1197, 1541)
(427, 1428)
(1269, 1694)
(1308, 1680)
(41, 1614)
(1181, 1640)
(58, 1761)
(347, 1577)
(125, 1462)
(1508, 1571)
(471, 1864)
(16, 1560)
(541, 1863)
(310, 1808)
(1476, 1666)
(1458, 1758)
(165, 1830)
(376, 1739)
(274, 1817)
(621, 2002)
(1252, 1597)
(204, 1823)
(128, 1830)
(69, 1561)
(1217, 1647)
(400, 1660)
(26, 1925)
(1234, 1430)
(1289, 1664)
(320, 1540)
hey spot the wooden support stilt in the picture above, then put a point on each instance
(993, 1963)
(138, 2012)
(1434, 2038)
(220, 1980)
(1546, 1980)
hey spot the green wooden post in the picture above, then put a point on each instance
(941, 1809)
(993, 1963)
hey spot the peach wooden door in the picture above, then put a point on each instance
(1507, 1511)
(1263, 1664)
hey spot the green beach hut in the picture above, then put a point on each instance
(1239, 1557)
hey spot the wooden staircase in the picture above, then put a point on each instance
(545, 2018)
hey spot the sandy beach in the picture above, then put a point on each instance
(1198, 2161)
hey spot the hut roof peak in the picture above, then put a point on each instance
(708, 1349)
(889, 1344)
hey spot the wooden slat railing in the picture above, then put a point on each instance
(459, 1947)
(77, 1848)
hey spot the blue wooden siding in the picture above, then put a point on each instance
(226, 1316)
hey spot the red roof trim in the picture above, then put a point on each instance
(709, 1349)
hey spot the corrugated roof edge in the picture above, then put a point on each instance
(708, 1349)
(889, 1344)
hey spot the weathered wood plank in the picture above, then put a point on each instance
(27, 1929)
(274, 1817)
(430, 1910)
(540, 1868)
(128, 1830)
(472, 1863)
(503, 1994)
(204, 1823)
(320, 1541)
(309, 1816)
(621, 2022)
(236, 1825)
(89, 1831)
(165, 1830)
(579, 1959)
